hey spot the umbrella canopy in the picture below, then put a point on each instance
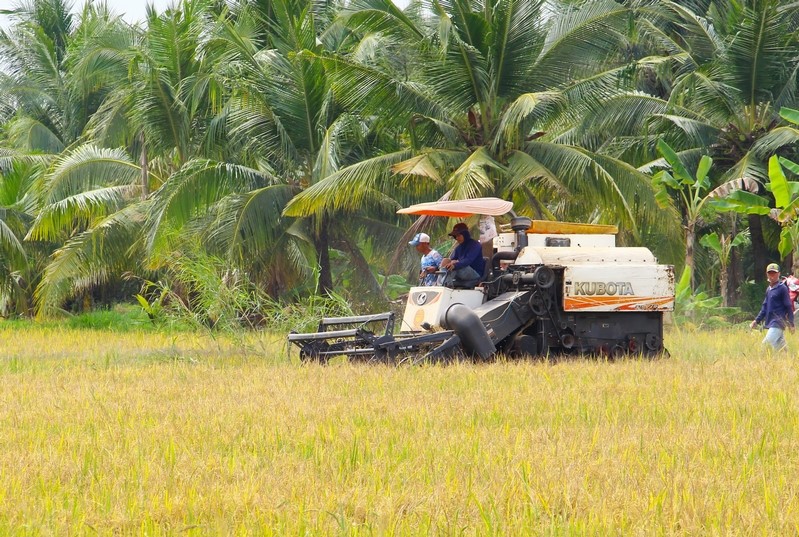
(461, 208)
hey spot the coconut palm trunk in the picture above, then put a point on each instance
(322, 244)
(758, 247)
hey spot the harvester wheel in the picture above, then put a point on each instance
(653, 342)
(524, 345)
(617, 351)
(567, 340)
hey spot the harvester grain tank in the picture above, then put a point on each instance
(550, 288)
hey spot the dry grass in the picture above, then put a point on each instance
(155, 434)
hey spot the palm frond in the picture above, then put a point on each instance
(252, 224)
(30, 134)
(696, 34)
(255, 125)
(194, 189)
(347, 190)
(379, 16)
(462, 79)
(518, 31)
(623, 114)
(788, 96)
(88, 167)
(422, 165)
(700, 91)
(523, 169)
(757, 52)
(601, 181)
(696, 131)
(526, 106)
(79, 211)
(345, 132)
(774, 140)
(13, 253)
(473, 177)
(578, 40)
(91, 258)
(750, 166)
(373, 91)
(450, 133)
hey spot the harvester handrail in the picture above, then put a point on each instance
(332, 321)
(324, 335)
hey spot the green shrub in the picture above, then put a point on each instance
(699, 309)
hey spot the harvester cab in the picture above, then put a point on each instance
(552, 288)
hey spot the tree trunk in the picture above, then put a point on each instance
(322, 244)
(758, 247)
(361, 265)
(723, 287)
(733, 270)
(145, 169)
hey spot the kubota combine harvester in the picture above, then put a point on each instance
(549, 288)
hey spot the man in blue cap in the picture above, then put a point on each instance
(777, 310)
(466, 264)
(431, 259)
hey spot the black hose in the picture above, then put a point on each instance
(471, 331)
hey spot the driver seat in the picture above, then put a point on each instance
(471, 284)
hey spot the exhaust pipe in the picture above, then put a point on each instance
(520, 224)
(471, 331)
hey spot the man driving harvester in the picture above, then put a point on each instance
(466, 266)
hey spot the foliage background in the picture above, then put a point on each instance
(279, 137)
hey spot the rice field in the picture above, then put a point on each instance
(163, 434)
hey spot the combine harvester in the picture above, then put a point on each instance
(550, 288)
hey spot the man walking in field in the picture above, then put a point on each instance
(777, 310)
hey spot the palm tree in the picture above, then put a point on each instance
(282, 131)
(145, 93)
(709, 76)
(16, 261)
(47, 107)
(485, 109)
(96, 202)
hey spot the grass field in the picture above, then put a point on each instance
(152, 433)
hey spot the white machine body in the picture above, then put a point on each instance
(597, 277)
(428, 305)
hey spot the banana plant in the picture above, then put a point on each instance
(697, 307)
(723, 244)
(786, 203)
(694, 194)
(786, 193)
(691, 189)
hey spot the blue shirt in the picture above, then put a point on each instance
(777, 309)
(430, 259)
(469, 254)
